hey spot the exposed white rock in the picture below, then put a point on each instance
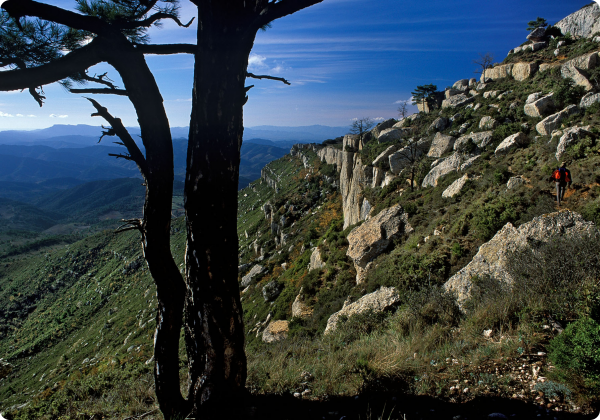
(511, 142)
(514, 182)
(403, 157)
(551, 123)
(537, 108)
(462, 85)
(441, 145)
(455, 187)
(316, 263)
(393, 134)
(583, 23)
(378, 301)
(491, 260)
(382, 157)
(451, 92)
(300, 309)
(488, 123)
(570, 136)
(439, 124)
(498, 72)
(589, 99)
(256, 271)
(523, 71)
(275, 331)
(481, 140)
(457, 101)
(369, 240)
(445, 166)
(383, 126)
(533, 97)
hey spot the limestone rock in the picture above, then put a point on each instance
(472, 83)
(351, 142)
(491, 260)
(548, 66)
(439, 124)
(248, 278)
(488, 123)
(383, 126)
(441, 145)
(393, 134)
(583, 23)
(378, 301)
(275, 331)
(403, 157)
(589, 100)
(462, 85)
(523, 71)
(498, 72)
(533, 97)
(455, 187)
(272, 290)
(536, 46)
(331, 156)
(372, 238)
(451, 92)
(383, 156)
(365, 209)
(573, 73)
(457, 101)
(444, 167)
(316, 263)
(481, 140)
(551, 123)
(511, 142)
(570, 136)
(300, 309)
(537, 35)
(514, 182)
(537, 108)
(490, 94)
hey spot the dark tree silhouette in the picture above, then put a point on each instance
(424, 95)
(360, 127)
(484, 62)
(42, 44)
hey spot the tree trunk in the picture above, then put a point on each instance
(156, 226)
(214, 317)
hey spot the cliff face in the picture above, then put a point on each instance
(583, 23)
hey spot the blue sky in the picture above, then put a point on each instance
(345, 59)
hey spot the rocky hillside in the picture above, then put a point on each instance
(428, 259)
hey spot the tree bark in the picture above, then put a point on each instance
(156, 136)
(214, 318)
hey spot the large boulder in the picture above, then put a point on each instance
(351, 142)
(551, 123)
(462, 85)
(316, 263)
(537, 35)
(523, 71)
(378, 301)
(439, 124)
(574, 69)
(498, 72)
(300, 309)
(511, 142)
(444, 167)
(383, 126)
(488, 123)
(537, 107)
(272, 290)
(276, 331)
(393, 134)
(481, 140)
(589, 99)
(491, 260)
(570, 136)
(255, 272)
(406, 155)
(383, 156)
(441, 145)
(372, 238)
(457, 101)
(331, 156)
(583, 23)
(456, 187)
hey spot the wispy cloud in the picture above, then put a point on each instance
(401, 101)
(5, 115)
(257, 62)
(58, 116)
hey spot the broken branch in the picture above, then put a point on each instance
(279, 79)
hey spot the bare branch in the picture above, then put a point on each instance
(131, 224)
(280, 79)
(103, 79)
(126, 157)
(164, 49)
(118, 129)
(154, 18)
(120, 92)
(39, 98)
(21, 8)
(60, 69)
(278, 10)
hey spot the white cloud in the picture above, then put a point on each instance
(407, 101)
(58, 116)
(20, 115)
(256, 62)
(276, 70)
(379, 119)
(31, 116)
(4, 114)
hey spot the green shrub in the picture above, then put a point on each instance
(490, 217)
(567, 93)
(501, 175)
(553, 389)
(577, 350)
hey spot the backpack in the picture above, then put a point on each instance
(561, 174)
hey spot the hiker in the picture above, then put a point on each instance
(562, 177)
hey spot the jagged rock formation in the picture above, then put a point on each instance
(383, 126)
(276, 331)
(583, 23)
(491, 260)
(248, 278)
(537, 106)
(455, 187)
(551, 123)
(481, 140)
(570, 136)
(589, 99)
(300, 309)
(510, 143)
(454, 163)
(378, 301)
(372, 238)
(441, 145)
(316, 263)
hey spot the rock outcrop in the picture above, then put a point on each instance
(272, 290)
(511, 142)
(589, 99)
(515, 182)
(409, 153)
(249, 278)
(498, 72)
(456, 187)
(372, 238)
(393, 134)
(441, 145)
(481, 140)
(457, 101)
(492, 258)
(570, 136)
(378, 301)
(300, 309)
(583, 23)
(551, 123)
(275, 331)
(316, 263)
(375, 132)
(454, 163)
(488, 123)
(331, 156)
(537, 106)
